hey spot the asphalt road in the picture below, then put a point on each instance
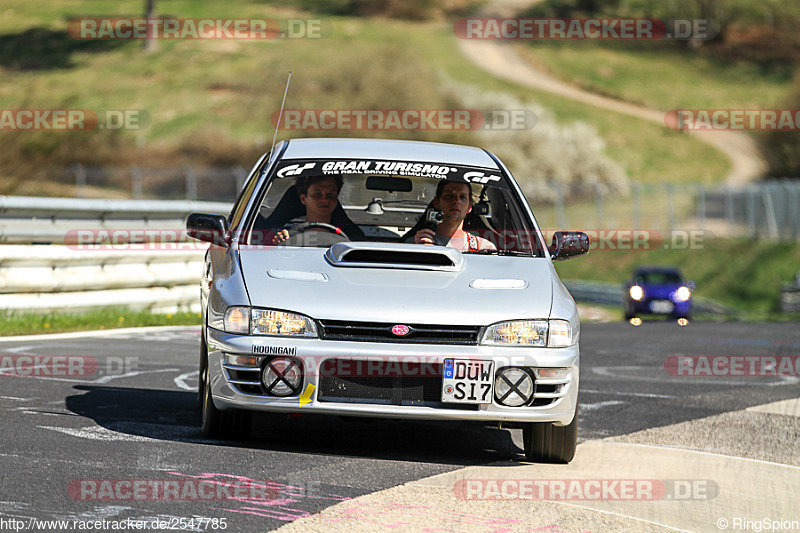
(136, 418)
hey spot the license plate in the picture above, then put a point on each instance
(661, 306)
(467, 381)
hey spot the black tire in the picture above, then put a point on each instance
(547, 443)
(231, 423)
(203, 375)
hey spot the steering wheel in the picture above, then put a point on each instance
(307, 226)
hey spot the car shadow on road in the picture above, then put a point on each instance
(175, 416)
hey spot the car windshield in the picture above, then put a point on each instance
(658, 277)
(380, 201)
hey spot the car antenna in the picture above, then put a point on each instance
(280, 113)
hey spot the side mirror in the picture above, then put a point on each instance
(568, 244)
(208, 228)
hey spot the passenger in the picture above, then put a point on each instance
(454, 200)
(320, 196)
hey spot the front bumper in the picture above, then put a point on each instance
(312, 352)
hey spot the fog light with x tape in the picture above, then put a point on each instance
(513, 387)
(282, 376)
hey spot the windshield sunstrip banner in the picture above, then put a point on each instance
(384, 167)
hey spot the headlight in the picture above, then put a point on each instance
(237, 320)
(281, 323)
(553, 333)
(561, 334)
(637, 293)
(683, 294)
(518, 332)
(246, 320)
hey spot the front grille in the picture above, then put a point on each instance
(418, 384)
(340, 330)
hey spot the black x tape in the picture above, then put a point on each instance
(281, 376)
(515, 388)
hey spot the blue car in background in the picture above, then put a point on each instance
(658, 291)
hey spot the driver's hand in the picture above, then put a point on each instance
(424, 236)
(280, 236)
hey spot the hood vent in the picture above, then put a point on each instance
(390, 255)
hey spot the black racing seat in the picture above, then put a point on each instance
(289, 207)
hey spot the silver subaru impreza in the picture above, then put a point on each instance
(388, 278)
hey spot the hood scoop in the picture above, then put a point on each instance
(392, 255)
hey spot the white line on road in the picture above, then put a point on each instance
(96, 333)
(713, 454)
(106, 379)
(623, 393)
(98, 433)
(599, 405)
(180, 381)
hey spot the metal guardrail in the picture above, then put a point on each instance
(611, 294)
(161, 278)
(34, 220)
(156, 276)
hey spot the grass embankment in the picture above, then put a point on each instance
(660, 75)
(210, 102)
(650, 153)
(33, 323)
(742, 274)
(748, 61)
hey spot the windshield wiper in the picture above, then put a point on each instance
(500, 252)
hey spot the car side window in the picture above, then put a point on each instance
(235, 218)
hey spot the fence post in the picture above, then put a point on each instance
(80, 179)
(769, 209)
(751, 211)
(701, 207)
(191, 183)
(794, 209)
(669, 198)
(729, 210)
(136, 182)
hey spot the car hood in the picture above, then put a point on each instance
(481, 291)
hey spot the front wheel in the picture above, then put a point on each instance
(547, 443)
(231, 423)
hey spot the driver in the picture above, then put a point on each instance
(320, 196)
(454, 200)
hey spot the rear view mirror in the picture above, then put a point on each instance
(208, 228)
(568, 244)
(389, 184)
